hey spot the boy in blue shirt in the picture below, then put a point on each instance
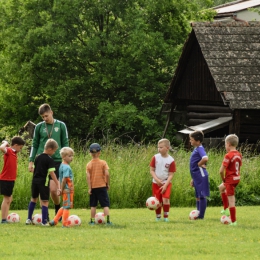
(199, 174)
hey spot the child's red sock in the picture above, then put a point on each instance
(166, 209)
(233, 214)
(224, 200)
(158, 212)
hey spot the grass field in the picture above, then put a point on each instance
(136, 235)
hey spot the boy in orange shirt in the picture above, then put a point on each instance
(230, 175)
(98, 183)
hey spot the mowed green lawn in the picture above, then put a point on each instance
(136, 235)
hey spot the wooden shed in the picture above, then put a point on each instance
(218, 79)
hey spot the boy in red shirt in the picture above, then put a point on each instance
(230, 175)
(9, 173)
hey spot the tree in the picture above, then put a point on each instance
(102, 65)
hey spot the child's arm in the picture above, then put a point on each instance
(152, 172)
(222, 172)
(165, 185)
(88, 181)
(54, 178)
(3, 146)
(203, 161)
(107, 178)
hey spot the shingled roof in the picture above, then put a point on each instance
(232, 53)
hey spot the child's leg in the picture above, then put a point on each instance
(224, 197)
(198, 204)
(106, 213)
(31, 208)
(202, 207)
(232, 208)
(45, 205)
(92, 214)
(58, 216)
(166, 207)
(65, 217)
(156, 193)
(6, 206)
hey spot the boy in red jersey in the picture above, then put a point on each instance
(98, 180)
(9, 173)
(230, 175)
(162, 169)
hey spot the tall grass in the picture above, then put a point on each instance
(131, 181)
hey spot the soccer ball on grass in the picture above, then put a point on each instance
(13, 218)
(100, 218)
(74, 220)
(194, 214)
(153, 203)
(37, 219)
(225, 220)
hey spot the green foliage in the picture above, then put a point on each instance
(83, 56)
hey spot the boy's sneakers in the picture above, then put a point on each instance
(109, 223)
(52, 223)
(166, 220)
(4, 222)
(91, 223)
(28, 222)
(45, 225)
(233, 224)
(225, 212)
(158, 219)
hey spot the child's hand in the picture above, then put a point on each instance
(163, 188)
(191, 183)
(58, 192)
(159, 182)
(89, 192)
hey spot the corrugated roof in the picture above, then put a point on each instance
(237, 6)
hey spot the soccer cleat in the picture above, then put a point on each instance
(233, 224)
(225, 212)
(166, 220)
(109, 223)
(52, 223)
(4, 222)
(91, 223)
(28, 222)
(45, 225)
(158, 219)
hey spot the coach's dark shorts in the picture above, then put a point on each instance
(42, 190)
(6, 188)
(57, 167)
(99, 195)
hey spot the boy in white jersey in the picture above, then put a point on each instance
(162, 169)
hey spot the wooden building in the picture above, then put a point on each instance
(217, 81)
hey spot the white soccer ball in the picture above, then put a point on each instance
(225, 220)
(74, 220)
(13, 218)
(37, 219)
(152, 203)
(194, 214)
(100, 218)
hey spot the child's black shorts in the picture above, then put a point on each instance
(99, 195)
(40, 189)
(6, 188)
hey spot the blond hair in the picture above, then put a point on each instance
(65, 151)
(232, 139)
(51, 144)
(165, 141)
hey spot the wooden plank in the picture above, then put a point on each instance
(249, 137)
(197, 121)
(236, 122)
(193, 115)
(228, 30)
(227, 70)
(242, 96)
(250, 129)
(230, 86)
(237, 78)
(201, 108)
(240, 104)
(225, 24)
(227, 46)
(243, 39)
(229, 54)
(233, 62)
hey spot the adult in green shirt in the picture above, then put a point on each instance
(49, 128)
